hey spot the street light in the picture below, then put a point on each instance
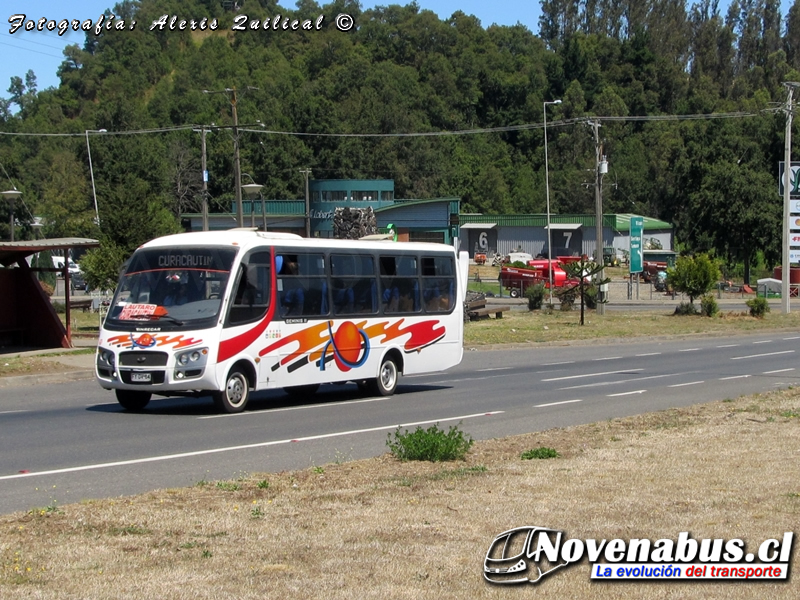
(11, 196)
(91, 172)
(251, 190)
(547, 192)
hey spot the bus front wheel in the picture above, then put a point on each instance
(132, 400)
(233, 397)
(388, 375)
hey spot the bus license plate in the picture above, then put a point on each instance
(140, 377)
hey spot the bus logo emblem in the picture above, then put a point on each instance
(350, 347)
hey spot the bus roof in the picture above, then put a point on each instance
(246, 238)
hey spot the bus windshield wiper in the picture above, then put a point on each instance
(167, 317)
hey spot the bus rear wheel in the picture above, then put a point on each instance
(388, 375)
(133, 400)
(233, 397)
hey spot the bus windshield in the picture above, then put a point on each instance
(176, 287)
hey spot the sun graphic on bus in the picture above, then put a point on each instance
(350, 346)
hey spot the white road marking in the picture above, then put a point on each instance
(608, 358)
(689, 350)
(555, 403)
(763, 342)
(566, 362)
(495, 369)
(760, 355)
(598, 384)
(136, 461)
(734, 377)
(626, 393)
(649, 354)
(683, 384)
(592, 374)
(797, 337)
(8, 412)
(777, 371)
(729, 346)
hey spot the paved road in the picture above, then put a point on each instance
(67, 442)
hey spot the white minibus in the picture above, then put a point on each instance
(228, 313)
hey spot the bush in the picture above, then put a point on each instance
(535, 296)
(708, 306)
(693, 276)
(46, 288)
(518, 264)
(758, 307)
(686, 308)
(432, 444)
(590, 296)
(540, 453)
(567, 296)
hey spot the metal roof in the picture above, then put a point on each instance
(11, 252)
(621, 222)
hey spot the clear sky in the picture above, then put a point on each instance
(41, 51)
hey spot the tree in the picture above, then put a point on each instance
(693, 276)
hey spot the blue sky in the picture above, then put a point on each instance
(42, 51)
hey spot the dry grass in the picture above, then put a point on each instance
(382, 529)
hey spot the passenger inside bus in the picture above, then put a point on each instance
(292, 296)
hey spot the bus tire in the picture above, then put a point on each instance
(132, 400)
(300, 391)
(233, 398)
(388, 375)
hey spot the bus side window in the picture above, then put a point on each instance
(302, 287)
(354, 287)
(438, 284)
(251, 299)
(400, 291)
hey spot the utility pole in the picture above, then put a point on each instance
(307, 172)
(598, 196)
(787, 170)
(237, 167)
(203, 132)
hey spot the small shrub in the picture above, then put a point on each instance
(46, 288)
(518, 264)
(708, 306)
(432, 444)
(686, 308)
(567, 296)
(535, 296)
(539, 453)
(758, 307)
(590, 296)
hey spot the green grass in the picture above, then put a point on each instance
(522, 326)
(539, 453)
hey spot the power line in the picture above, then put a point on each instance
(476, 131)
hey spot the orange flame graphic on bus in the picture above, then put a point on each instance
(148, 340)
(314, 340)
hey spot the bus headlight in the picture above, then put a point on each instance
(191, 363)
(106, 357)
(192, 357)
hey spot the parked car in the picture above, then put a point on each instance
(77, 281)
(58, 263)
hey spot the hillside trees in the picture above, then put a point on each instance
(403, 71)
